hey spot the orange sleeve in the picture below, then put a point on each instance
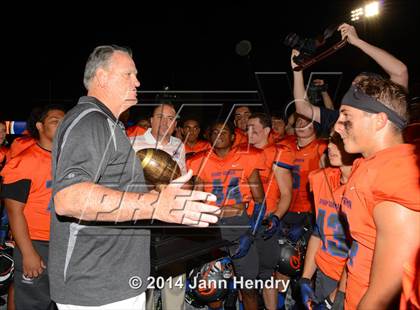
(135, 131)
(15, 170)
(407, 191)
(287, 157)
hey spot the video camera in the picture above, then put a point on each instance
(309, 47)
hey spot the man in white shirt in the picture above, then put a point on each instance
(159, 136)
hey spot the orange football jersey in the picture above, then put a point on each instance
(20, 144)
(4, 155)
(274, 137)
(388, 175)
(240, 137)
(410, 297)
(201, 145)
(135, 130)
(306, 160)
(227, 177)
(273, 153)
(34, 164)
(332, 255)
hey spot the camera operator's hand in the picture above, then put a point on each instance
(349, 32)
(294, 53)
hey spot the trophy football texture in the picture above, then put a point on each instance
(158, 167)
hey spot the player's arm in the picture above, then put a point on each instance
(284, 180)
(310, 266)
(395, 68)
(398, 237)
(328, 103)
(302, 104)
(33, 265)
(16, 195)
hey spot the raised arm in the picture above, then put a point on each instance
(394, 67)
(302, 104)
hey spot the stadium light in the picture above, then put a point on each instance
(369, 10)
(372, 9)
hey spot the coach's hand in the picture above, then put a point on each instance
(33, 265)
(182, 206)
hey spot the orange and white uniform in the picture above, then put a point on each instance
(327, 190)
(388, 175)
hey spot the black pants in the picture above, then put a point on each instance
(32, 293)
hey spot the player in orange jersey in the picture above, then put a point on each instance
(381, 199)
(410, 297)
(231, 173)
(4, 150)
(328, 246)
(308, 151)
(277, 183)
(135, 130)
(299, 220)
(241, 115)
(190, 132)
(278, 129)
(27, 193)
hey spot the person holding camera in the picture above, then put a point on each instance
(326, 117)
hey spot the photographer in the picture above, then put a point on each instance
(396, 70)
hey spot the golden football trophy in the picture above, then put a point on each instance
(159, 168)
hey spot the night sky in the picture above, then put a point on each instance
(189, 48)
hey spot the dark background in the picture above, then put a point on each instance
(44, 47)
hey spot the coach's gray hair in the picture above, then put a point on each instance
(99, 58)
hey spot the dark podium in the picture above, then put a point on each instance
(175, 248)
